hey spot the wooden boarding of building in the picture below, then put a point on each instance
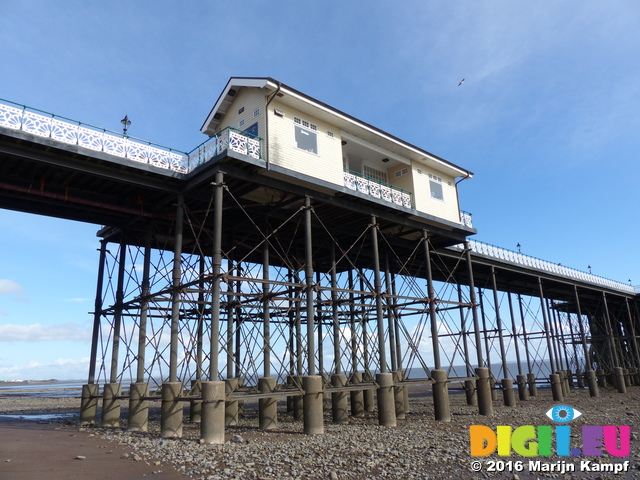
(298, 251)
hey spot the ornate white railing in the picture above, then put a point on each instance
(466, 219)
(517, 258)
(71, 132)
(227, 139)
(360, 183)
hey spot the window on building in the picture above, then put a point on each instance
(435, 185)
(306, 135)
(374, 173)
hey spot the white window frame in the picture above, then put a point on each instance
(309, 129)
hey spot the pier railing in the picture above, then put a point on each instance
(72, 132)
(532, 262)
(377, 189)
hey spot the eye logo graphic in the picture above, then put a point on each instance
(563, 413)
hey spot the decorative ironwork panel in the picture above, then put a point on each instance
(386, 193)
(397, 196)
(64, 131)
(406, 200)
(10, 117)
(253, 146)
(237, 142)
(363, 185)
(374, 189)
(350, 181)
(36, 124)
(91, 139)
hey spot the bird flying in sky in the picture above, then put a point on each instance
(461, 82)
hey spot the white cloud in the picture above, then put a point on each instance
(7, 287)
(43, 333)
(61, 369)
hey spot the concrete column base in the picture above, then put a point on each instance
(627, 377)
(579, 379)
(339, 400)
(171, 413)
(212, 424)
(592, 383)
(398, 395)
(297, 401)
(312, 409)
(564, 380)
(621, 384)
(138, 407)
(195, 407)
(508, 395)
(231, 406)
(386, 403)
(267, 407)
(492, 384)
(470, 392)
(357, 397)
(369, 397)
(111, 405)
(89, 405)
(602, 378)
(523, 392)
(533, 388)
(483, 390)
(556, 387)
(440, 389)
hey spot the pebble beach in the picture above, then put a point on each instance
(418, 448)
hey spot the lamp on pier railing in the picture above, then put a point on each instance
(518, 247)
(589, 267)
(125, 122)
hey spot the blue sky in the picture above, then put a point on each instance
(547, 118)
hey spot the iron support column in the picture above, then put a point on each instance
(117, 318)
(175, 292)
(546, 327)
(309, 287)
(378, 295)
(97, 314)
(431, 293)
(216, 265)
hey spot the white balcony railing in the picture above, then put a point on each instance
(361, 183)
(70, 132)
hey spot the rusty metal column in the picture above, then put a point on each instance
(509, 398)
(546, 327)
(213, 390)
